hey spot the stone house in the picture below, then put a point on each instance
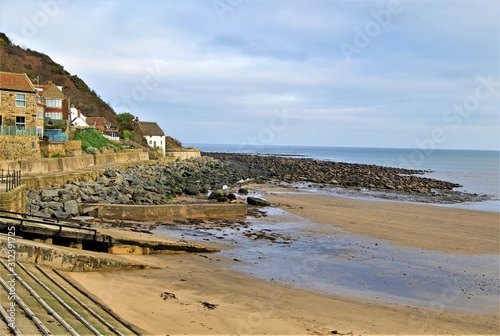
(56, 102)
(153, 134)
(21, 116)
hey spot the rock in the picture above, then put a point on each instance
(231, 197)
(47, 213)
(216, 194)
(48, 194)
(56, 206)
(222, 199)
(72, 208)
(243, 191)
(258, 201)
(62, 215)
(192, 190)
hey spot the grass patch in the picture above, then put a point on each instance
(92, 138)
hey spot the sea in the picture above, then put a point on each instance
(477, 171)
(341, 263)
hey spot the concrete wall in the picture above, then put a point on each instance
(62, 258)
(166, 212)
(59, 165)
(14, 200)
(187, 153)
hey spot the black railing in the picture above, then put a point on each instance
(11, 178)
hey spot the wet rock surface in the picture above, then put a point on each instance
(216, 172)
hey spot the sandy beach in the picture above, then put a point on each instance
(246, 305)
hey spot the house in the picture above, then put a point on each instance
(153, 134)
(76, 118)
(56, 102)
(101, 124)
(21, 110)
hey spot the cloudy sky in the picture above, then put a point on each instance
(403, 74)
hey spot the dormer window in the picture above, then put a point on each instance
(20, 100)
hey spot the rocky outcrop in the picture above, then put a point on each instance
(337, 173)
(159, 183)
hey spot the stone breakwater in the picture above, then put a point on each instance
(161, 183)
(339, 173)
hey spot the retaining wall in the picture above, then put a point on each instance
(57, 165)
(186, 153)
(14, 200)
(62, 258)
(165, 212)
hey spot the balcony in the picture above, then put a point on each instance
(18, 130)
(55, 135)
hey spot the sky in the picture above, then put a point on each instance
(396, 74)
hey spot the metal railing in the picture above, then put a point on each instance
(11, 178)
(18, 130)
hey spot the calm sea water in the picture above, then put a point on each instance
(477, 171)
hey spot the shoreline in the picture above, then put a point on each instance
(246, 304)
(426, 226)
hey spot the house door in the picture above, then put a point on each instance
(154, 144)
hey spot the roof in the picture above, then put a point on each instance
(97, 121)
(150, 128)
(53, 92)
(16, 82)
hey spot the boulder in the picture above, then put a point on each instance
(192, 190)
(49, 194)
(216, 194)
(60, 215)
(258, 201)
(243, 191)
(47, 213)
(231, 197)
(71, 207)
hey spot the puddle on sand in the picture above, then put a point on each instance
(344, 264)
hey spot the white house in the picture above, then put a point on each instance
(153, 134)
(76, 118)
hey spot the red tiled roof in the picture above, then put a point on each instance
(15, 82)
(97, 121)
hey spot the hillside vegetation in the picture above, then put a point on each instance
(41, 67)
(92, 138)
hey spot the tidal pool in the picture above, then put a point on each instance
(293, 251)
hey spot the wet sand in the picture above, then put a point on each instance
(423, 226)
(247, 305)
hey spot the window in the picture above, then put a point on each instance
(53, 102)
(40, 114)
(1, 121)
(39, 131)
(20, 100)
(150, 142)
(21, 123)
(53, 115)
